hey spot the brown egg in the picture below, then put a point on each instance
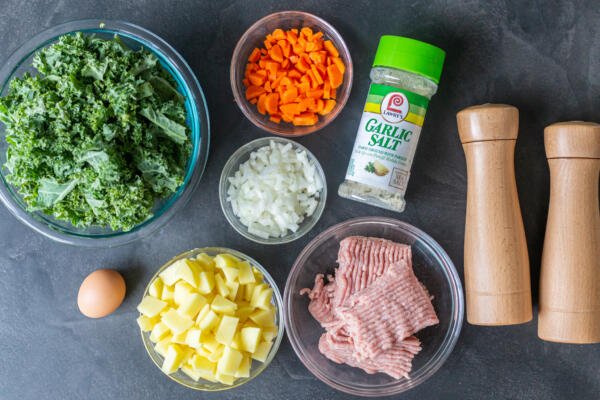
(101, 293)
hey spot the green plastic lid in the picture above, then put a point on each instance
(410, 55)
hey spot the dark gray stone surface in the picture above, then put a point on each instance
(543, 57)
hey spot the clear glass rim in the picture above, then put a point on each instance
(438, 358)
(281, 129)
(234, 221)
(278, 302)
(199, 120)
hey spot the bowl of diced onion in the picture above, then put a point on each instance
(272, 190)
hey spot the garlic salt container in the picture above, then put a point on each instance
(404, 77)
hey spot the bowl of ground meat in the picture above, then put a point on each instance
(373, 306)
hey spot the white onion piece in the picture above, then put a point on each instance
(275, 190)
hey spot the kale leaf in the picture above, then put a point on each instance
(98, 135)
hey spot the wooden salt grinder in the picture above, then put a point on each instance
(496, 261)
(570, 276)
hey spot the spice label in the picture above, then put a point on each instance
(387, 138)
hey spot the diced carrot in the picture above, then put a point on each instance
(310, 46)
(256, 79)
(285, 81)
(305, 119)
(340, 64)
(271, 103)
(297, 48)
(289, 95)
(285, 64)
(253, 101)
(287, 118)
(276, 53)
(294, 74)
(263, 52)
(261, 104)
(290, 109)
(317, 74)
(330, 47)
(267, 87)
(315, 94)
(329, 105)
(267, 44)
(302, 65)
(333, 93)
(326, 90)
(254, 91)
(291, 37)
(317, 35)
(246, 82)
(335, 76)
(275, 118)
(307, 32)
(320, 105)
(255, 55)
(278, 34)
(272, 67)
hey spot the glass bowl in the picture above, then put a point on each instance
(254, 37)
(242, 155)
(432, 266)
(197, 119)
(256, 367)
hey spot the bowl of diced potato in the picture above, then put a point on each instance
(211, 319)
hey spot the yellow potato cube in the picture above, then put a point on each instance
(223, 306)
(156, 287)
(146, 323)
(229, 361)
(159, 331)
(208, 377)
(193, 338)
(191, 372)
(262, 351)
(257, 275)
(203, 365)
(191, 306)
(231, 274)
(226, 260)
(243, 311)
(236, 343)
(214, 357)
(206, 282)
(179, 338)
(206, 261)
(151, 306)
(211, 344)
(224, 379)
(202, 313)
(245, 274)
(263, 318)
(168, 293)
(269, 333)
(209, 321)
(263, 300)
(203, 352)
(233, 290)
(226, 329)
(162, 345)
(248, 290)
(243, 370)
(182, 291)
(250, 338)
(176, 322)
(169, 275)
(256, 293)
(173, 359)
(185, 270)
(221, 285)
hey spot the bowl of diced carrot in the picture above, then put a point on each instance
(291, 73)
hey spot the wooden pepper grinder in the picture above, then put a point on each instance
(496, 261)
(570, 276)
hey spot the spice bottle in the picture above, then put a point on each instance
(404, 77)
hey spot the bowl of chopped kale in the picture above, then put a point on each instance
(104, 133)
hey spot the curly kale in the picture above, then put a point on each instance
(98, 135)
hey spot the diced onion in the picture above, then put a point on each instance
(275, 190)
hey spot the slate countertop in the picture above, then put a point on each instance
(543, 57)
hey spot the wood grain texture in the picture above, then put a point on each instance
(570, 274)
(496, 259)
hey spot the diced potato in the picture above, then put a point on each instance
(229, 361)
(193, 338)
(156, 287)
(221, 285)
(206, 282)
(191, 372)
(226, 330)
(209, 377)
(243, 370)
(209, 321)
(236, 343)
(226, 260)
(206, 261)
(169, 275)
(256, 293)
(248, 290)
(162, 345)
(263, 301)
(211, 344)
(250, 338)
(245, 274)
(262, 351)
(269, 333)
(146, 323)
(203, 352)
(243, 311)
(159, 331)
(179, 338)
(205, 309)
(173, 359)
(176, 322)
(191, 306)
(224, 379)
(151, 306)
(257, 275)
(233, 290)
(263, 318)
(183, 269)
(203, 365)
(168, 293)
(214, 357)
(182, 291)
(223, 306)
(231, 274)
